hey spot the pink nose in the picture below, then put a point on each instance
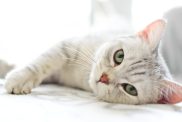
(104, 79)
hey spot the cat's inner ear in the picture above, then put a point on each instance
(171, 92)
(153, 32)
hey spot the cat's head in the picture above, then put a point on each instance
(130, 70)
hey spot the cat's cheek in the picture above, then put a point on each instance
(112, 63)
(92, 82)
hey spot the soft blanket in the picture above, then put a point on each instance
(53, 103)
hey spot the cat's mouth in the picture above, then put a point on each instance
(104, 79)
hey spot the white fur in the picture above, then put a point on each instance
(94, 57)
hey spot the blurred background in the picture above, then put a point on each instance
(27, 28)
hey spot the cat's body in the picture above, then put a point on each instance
(76, 69)
(126, 70)
(5, 68)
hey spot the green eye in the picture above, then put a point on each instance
(118, 57)
(130, 89)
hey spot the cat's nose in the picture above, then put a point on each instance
(104, 78)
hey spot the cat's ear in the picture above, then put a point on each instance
(171, 92)
(152, 34)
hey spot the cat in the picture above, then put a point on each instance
(123, 69)
(5, 68)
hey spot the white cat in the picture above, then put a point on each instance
(127, 70)
(5, 68)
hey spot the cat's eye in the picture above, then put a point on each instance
(118, 57)
(130, 89)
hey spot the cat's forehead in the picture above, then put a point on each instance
(128, 41)
(132, 45)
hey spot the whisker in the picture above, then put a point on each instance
(81, 62)
(88, 51)
(83, 68)
(81, 53)
(85, 57)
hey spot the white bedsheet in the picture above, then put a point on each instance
(52, 103)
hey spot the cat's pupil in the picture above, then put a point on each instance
(129, 88)
(120, 56)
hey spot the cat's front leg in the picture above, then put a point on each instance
(21, 81)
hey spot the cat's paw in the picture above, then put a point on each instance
(20, 82)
